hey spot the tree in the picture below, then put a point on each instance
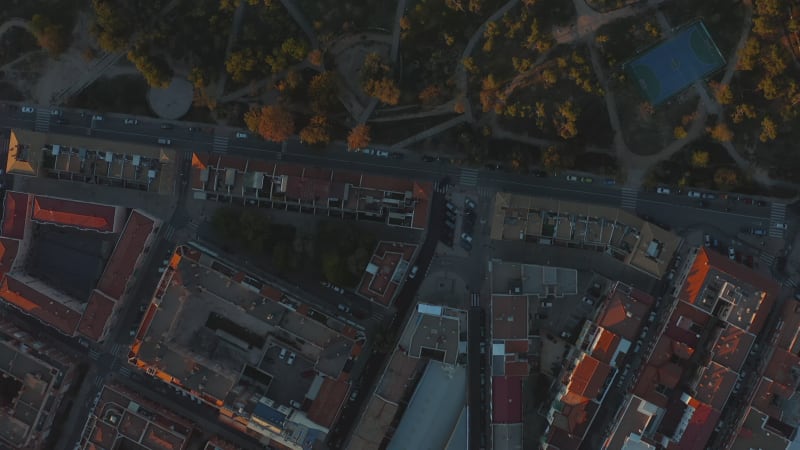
(549, 77)
(723, 93)
(384, 89)
(49, 35)
(726, 178)
(768, 7)
(295, 49)
(470, 66)
(405, 23)
(748, 54)
(565, 120)
(358, 137)
(679, 132)
(769, 130)
(316, 132)
(551, 159)
(720, 132)
(323, 92)
(431, 95)
(241, 64)
(700, 159)
(315, 57)
(154, 69)
(768, 87)
(743, 111)
(271, 122)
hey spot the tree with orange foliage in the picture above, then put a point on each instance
(273, 122)
(384, 89)
(316, 132)
(358, 137)
(430, 95)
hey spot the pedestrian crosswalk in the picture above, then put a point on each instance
(766, 259)
(99, 380)
(169, 231)
(468, 177)
(777, 216)
(42, 124)
(220, 144)
(124, 371)
(117, 348)
(94, 354)
(485, 193)
(475, 299)
(438, 187)
(629, 198)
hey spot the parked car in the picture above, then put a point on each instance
(368, 151)
(354, 395)
(343, 308)
(761, 203)
(731, 253)
(694, 194)
(663, 190)
(381, 153)
(539, 173)
(131, 122)
(162, 141)
(588, 301)
(194, 129)
(428, 158)
(707, 240)
(166, 126)
(282, 354)
(708, 196)
(610, 181)
(396, 155)
(572, 178)
(466, 237)
(413, 272)
(587, 180)
(61, 121)
(290, 359)
(240, 135)
(781, 226)
(55, 112)
(97, 118)
(28, 109)
(469, 203)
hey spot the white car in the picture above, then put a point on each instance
(282, 354)
(28, 109)
(162, 141)
(55, 112)
(382, 153)
(466, 237)
(131, 122)
(290, 359)
(694, 194)
(368, 151)
(572, 178)
(97, 117)
(343, 308)
(241, 135)
(413, 272)
(731, 253)
(663, 190)
(781, 226)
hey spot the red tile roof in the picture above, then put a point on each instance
(517, 369)
(623, 314)
(16, 211)
(507, 399)
(325, 408)
(588, 377)
(686, 324)
(8, 253)
(715, 385)
(519, 346)
(89, 216)
(769, 395)
(788, 334)
(125, 256)
(662, 369)
(783, 367)
(732, 347)
(97, 313)
(39, 305)
(562, 440)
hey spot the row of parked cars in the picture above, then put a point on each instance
(712, 196)
(382, 153)
(468, 224)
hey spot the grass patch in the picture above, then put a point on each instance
(125, 94)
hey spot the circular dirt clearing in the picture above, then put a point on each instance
(173, 101)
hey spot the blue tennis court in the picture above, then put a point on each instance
(674, 64)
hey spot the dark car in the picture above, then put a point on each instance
(396, 155)
(166, 126)
(62, 121)
(429, 158)
(493, 166)
(194, 129)
(761, 203)
(539, 173)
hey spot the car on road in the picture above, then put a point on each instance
(343, 308)
(732, 253)
(282, 354)
(413, 272)
(572, 178)
(240, 135)
(539, 173)
(708, 196)
(97, 118)
(781, 226)
(466, 237)
(587, 180)
(381, 153)
(162, 141)
(55, 112)
(166, 126)
(469, 203)
(28, 109)
(707, 240)
(131, 122)
(694, 194)
(290, 359)
(761, 203)
(663, 190)
(368, 151)
(429, 158)
(610, 181)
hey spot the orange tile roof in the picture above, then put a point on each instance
(123, 260)
(768, 397)
(782, 366)
(8, 253)
(605, 345)
(325, 408)
(699, 429)
(623, 314)
(15, 213)
(693, 286)
(715, 385)
(97, 313)
(588, 377)
(732, 347)
(517, 346)
(43, 307)
(84, 215)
